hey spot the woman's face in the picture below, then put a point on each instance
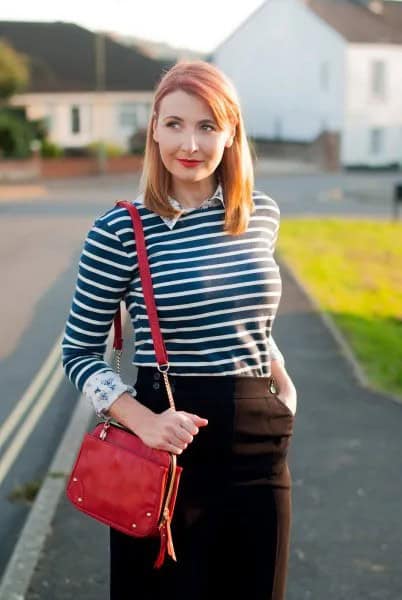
(186, 129)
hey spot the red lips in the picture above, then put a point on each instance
(189, 163)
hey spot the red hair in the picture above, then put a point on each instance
(235, 170)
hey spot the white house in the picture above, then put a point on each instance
(86, 87)
(304, 66)
(76, 119)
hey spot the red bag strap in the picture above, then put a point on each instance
(160, 352)
(145, 274)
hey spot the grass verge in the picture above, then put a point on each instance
(353, 268)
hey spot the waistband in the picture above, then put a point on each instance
(240, 385)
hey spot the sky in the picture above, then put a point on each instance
(199, 26)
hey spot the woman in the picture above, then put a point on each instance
(210, 240)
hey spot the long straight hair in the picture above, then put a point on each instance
(235, 171)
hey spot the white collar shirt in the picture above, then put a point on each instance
(215, 200)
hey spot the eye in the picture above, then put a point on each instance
(210, 127)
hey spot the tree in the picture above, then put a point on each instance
(14, 71)
(16, 133)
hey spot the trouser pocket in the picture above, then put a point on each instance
(263, 428)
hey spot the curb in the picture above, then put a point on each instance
(340, 339)
(21, 566)
(26, 554)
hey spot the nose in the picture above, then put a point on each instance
(189, 143)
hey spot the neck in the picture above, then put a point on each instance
(192, 195)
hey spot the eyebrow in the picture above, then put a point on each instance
(180, 119)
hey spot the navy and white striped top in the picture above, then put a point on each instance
(217, 295)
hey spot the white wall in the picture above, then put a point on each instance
(365, 111)
(274, 60)
(99, 115)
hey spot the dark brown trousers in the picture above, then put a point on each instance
(231, 527)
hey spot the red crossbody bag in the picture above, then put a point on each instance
(116, 478)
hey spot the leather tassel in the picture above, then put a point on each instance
(162, 548)
(165, 545)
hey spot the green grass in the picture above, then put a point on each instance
(25, 492)
(353, 268)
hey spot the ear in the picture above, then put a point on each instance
(154, 134)
(230, 139)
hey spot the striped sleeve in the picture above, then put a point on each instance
(104, 271)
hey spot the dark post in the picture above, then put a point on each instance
(397, 200)
(100, 71)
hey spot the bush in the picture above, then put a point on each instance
(137, 141)
(14, 71)
(16, 135)
(110, 150)
(76, 151)
(50, 149)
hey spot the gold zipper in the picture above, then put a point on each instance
(165, 506)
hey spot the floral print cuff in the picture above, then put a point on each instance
(102, 389)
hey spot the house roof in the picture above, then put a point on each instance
(357, 23)
(352, 19)
(62, 59)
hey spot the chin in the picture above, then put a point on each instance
(189, 176)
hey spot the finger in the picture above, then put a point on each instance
(184, 435)
(187, 424)
(180, 437)
(198, 421)
(172, 447)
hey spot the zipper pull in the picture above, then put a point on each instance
(162, 548)
(166, 540)
(169, 539)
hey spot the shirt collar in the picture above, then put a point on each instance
(216, 199)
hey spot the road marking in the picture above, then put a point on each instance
(21, 193)
(30, 394)
(26, 429)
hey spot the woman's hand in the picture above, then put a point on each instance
(287, 392)
(171, 430)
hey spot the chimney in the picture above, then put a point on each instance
(375, 6)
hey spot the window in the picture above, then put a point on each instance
(48, 123)
(378, 75)
(128, 115)
(376, 140)
(75, 119)
(324, 76)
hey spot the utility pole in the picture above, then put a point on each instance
(100, 74)
(397, 200)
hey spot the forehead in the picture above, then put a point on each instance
(182, 104)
